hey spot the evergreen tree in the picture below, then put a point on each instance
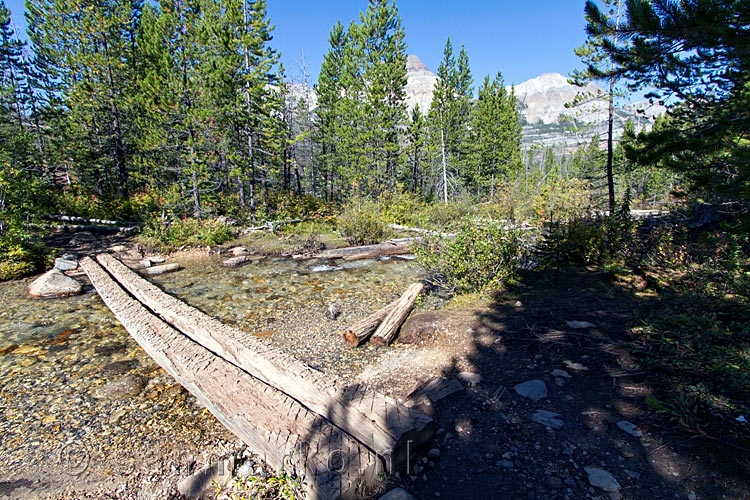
(417, 159)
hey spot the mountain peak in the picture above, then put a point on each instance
(414, 63)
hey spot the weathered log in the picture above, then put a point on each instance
(359, 331)
(330, 463)
(436, 389)
(361, 252)
(76, 227)
(419, 230)
(70, 218)
(392, 322)
(272, 225)
(379, 422)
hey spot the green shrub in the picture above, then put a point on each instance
(186, 231)
(482, 256)
(21, 254)
(401, 207)
(362, 223)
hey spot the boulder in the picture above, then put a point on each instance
(165, 268)
(52, 284)
(420, 327)
(66, 264)
(237, 251)
(397, 494)
(82, 238)
(236, 261)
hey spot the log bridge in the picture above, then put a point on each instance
(336, 438)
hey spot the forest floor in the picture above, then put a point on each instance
(488, 440)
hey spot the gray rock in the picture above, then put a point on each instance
(532, 389)
(245, 470)
(631, 429)
(64, 264)
(53, 283)
(632, 474)
(602, 479)
(325, 268)
(576, 367)
(579, 325)
(469, 378)
(192, 487)
(145, 263)
(548, 419)
(156, 259)
(505, 463)
(397, 494)
(237, 251)
(561, 373)
(164, 268)
(129, 385)
(433, 454)
(82, 238)
(333, 312)
(235, 261)
(118, 248)
(554, 482)
(117, 368)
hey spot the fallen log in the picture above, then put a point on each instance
(288, 436)
(361, 252)
(70, 218)
(78, 227)
(419, 230)
(359, 331)
(272, 225)
(392, 322)
(379, 422)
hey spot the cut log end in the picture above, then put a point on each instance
(379, 341)
(351, 338)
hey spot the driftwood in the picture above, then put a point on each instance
(379, 422)
(78, 227)
(272, 225)
(359, 331)
(361, 252)
(392, 322)
(419, 230)
(290, 437)
(70, 218)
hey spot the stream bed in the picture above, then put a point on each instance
(66, 424)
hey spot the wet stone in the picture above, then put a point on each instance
(111, 370)
(109, 349)
(164, 268)
(127, 386)
(52, 284)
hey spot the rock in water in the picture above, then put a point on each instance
(237, 251)
(166, 268)
(325, 268)
(235, 261)
(548, 419)
(53, 283)
(600, 478)
(129, 385)
(533, 389)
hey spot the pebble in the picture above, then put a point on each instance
(505, 463)
(554, 483)
(532, 389)
(577, 367)
(129, 385)
(433, 454)
(629, 428)
(548, 419)
(245, 470)
(561, 373)
(602, 479)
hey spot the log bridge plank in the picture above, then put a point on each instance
(369, 424)
(287, 435)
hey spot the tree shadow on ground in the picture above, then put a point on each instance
(490, 445)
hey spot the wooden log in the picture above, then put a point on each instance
(386, 433)
(70, 218)
(362, 329)
(387, 330)
(77, 227)
(419, 230)
(330, 463)
(361, 252)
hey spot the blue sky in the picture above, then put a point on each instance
(522, 39)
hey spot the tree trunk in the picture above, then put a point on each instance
(387, 330)
(362, 252)
(445, 165)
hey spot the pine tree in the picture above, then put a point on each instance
(416, 137)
